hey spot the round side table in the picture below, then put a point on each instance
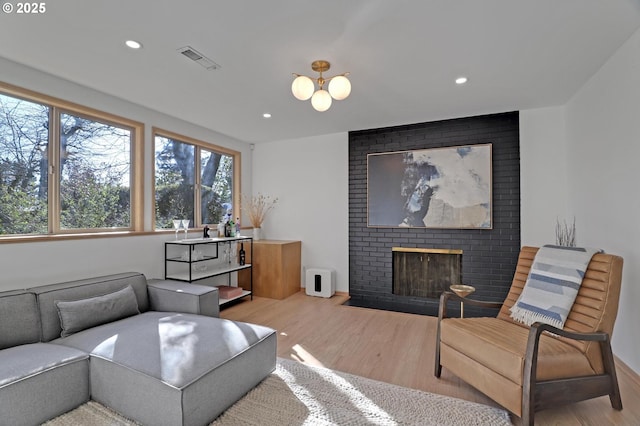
(463, 291)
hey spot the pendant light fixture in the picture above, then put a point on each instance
(303, 87)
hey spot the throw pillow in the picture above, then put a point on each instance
(78, 315)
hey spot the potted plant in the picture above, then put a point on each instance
(566, 234)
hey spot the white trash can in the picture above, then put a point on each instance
(320, 282)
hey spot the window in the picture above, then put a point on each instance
(64, 168)
(95, 174)
(175, 181)
(193, 180)
(216, 186)
(24, 139)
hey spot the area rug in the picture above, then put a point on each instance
(297, 394)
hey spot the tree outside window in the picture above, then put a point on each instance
(78, 179)
(24, 141)
(175, 180)
(192, 182)
(216, 183)
(95, 174)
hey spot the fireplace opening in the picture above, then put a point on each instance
(425, 272)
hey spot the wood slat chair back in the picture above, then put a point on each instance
(595, 307)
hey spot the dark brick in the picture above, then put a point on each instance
(489, 256)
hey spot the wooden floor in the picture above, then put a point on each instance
(398, 348)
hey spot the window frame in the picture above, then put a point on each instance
(56, 108)
(199, 145)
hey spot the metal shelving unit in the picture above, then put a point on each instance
(196, 259)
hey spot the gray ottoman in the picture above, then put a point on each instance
(40, 381)
(163, 368)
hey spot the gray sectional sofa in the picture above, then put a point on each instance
(153, 351)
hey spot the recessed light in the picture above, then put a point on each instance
(266, 115)
(133, 44)
(461, 80)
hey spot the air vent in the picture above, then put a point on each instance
(199, 58)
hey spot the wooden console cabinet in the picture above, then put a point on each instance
(277, 268)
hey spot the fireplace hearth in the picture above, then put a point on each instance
(425, 272)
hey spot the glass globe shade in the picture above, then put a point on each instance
(321, 100)
(339, 87)
(302, 87)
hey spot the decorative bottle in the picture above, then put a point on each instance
(232, 228)
(242, 255)
(237, 226)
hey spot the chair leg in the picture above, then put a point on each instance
(438, 367)
(610, 369)
(616, 401)
(528, 401)
(614, 396)
(527, 415)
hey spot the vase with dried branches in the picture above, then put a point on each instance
(257, 207)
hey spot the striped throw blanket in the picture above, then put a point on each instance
(552, 285)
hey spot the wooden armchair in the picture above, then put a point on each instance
(527, 369)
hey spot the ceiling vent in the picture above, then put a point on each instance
(198, 58)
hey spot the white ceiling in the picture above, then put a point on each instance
(403, 55)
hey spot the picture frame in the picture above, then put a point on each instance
(447, 187)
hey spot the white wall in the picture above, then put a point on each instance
(28, 264)
(543, 175)
(32, 264)
(603, 140)
(595, 138)
(310, 178)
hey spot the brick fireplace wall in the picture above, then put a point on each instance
(489, 256)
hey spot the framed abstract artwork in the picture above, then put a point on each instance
(446, 187)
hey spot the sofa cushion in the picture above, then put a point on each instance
(81, 289)
(19, 319)
(178, 296)
(194, 366)
(78, 315)
(500, 346)
(40, 381)
(175, 348)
